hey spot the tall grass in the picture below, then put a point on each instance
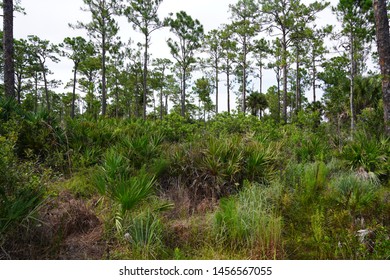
(145, 236)
(249, 221)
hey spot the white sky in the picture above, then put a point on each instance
(49, 19)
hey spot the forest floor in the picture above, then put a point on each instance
(71, 231)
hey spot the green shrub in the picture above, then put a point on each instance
(368, 153)
(353, 192)
(175, 128)
(116, 180)
(21, 190)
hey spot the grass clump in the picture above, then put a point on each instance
(249, 221)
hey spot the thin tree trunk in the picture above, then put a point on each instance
(46, 87)
(228, 87)
(161, 104)
(351, 96)
(19, 87)
(278, 82)
(183, 97)
(297, 87)
(145, 75)
(137, 96)
(261, 78)
(36, 92)
(383, 42)
(216, 85)
(8, 48)
(116, 99)
(284, 46)
(244, 78)
(104, 93)
(314, 76)
(166, 104)
(74, 91)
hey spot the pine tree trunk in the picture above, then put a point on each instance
(284, 46)
(8, 48)
(314, 77)
(144, 78)
(104, 93)
(278, 82)
(244, 79)
(261, 79)
(216, 85)
(46, 87)
(351, 95)
(297, 88)
(161, 104)
(228, 87)
(19, 88)
(74, 91)
(183, 97)
(383, 42)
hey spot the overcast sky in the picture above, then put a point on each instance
(49, 19)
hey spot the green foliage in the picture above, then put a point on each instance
(21, 190)
(368, 153)
(216, 166)
(307, 146)
(176, 128)
(323, 208)
(266, 190)
(354, 193)
(145, 236)
(115, 180)
(249, 220)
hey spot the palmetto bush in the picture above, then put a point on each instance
(354, 193)
(260, 158)
(121, 184)
(368, 153)
(213, 167)
(142, 149)
(88, 140)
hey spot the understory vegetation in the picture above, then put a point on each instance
(234, 187)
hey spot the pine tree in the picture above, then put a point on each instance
(189, 33)
(8, 48)
(383, 42)
(103, 30)
(143, 15)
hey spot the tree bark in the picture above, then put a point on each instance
(42, 63)
(278, 82)
(228, 83)
(297, 86)
(314, 76)
(261, 78)
(74, 90)
(19, 87)
(8, 48)
(216, 85)
(104, 93)
(244, 78)
(183, 97)
(284, 46)
(144, 77)
(383, 42)
(351, 95)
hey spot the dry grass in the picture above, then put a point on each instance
(65, 228)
